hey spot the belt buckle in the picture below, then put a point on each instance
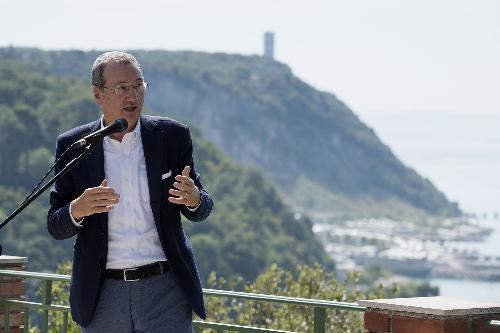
(125, 274)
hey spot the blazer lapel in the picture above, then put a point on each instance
(95, 160)
(95, 167)
(152, 144)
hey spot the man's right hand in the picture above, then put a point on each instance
(94, 200)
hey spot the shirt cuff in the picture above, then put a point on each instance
(192, 210)
(79, 223)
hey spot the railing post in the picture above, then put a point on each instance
(319, 319)
(65, 322)
(27, 320)
(46, 300)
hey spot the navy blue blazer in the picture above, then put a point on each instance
(167, 147)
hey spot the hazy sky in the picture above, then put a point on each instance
(384, 55)
(414, 58)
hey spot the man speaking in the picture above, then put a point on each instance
(133, 267)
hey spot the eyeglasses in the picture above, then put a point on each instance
(122, 89)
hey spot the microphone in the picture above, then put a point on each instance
(117, 126)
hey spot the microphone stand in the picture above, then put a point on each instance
(35, 195)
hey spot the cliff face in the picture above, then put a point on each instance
(312, 146)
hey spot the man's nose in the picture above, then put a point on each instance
(132, 95)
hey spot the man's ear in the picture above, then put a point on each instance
(97, 96)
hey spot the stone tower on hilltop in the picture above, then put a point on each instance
(269, 45)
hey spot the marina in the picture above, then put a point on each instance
(404, 248)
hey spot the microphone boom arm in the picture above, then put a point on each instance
(35, 195)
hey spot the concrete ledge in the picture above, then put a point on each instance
(437, 306)
(429, 315)
(13, 260)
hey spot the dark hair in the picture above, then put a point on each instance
(97, 75)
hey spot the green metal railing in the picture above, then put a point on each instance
(319, 306)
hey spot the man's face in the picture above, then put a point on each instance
(127, 103)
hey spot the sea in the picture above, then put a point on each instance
(459, 152)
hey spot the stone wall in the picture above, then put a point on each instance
(12, 288)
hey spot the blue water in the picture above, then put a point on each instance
(475, 290)
(471, 290)
(460, 154)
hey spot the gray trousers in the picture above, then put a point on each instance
(152, 305)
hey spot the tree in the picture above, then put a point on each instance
(60, 296)
(312, 282)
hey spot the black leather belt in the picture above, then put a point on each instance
(138, 273)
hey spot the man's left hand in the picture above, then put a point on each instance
(185, 191)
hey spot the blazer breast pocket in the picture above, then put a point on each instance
(166, 175)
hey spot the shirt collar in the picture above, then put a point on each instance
(129, 138)
(135, 133)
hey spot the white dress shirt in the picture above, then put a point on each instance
(132, 237)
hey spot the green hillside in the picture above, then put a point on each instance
(309, 143)
(249, 229)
